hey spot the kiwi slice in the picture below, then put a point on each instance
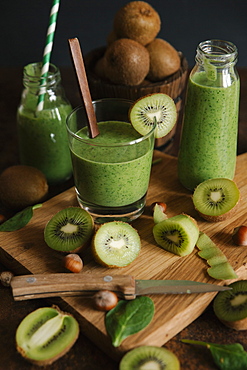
(149, 357)
(151, 108)
(216, 199)
(116, 244)
(45, 335)
(220, 268)
(177, 234)
(69, 229)
(230, 306)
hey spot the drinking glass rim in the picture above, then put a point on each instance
(88, 142)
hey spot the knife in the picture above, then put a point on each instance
(63, 284)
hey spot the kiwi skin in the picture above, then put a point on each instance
(137, 20)
(22, 186)
(164, 60)
(126, 62)
(222, 311)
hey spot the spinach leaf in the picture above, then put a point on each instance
(128, 317)
(226, 356)
(20, 219)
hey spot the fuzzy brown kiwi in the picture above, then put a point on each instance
(22, 186)
(126, 62)
(164, 60)
(137, 20)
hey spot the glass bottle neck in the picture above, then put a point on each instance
(32, 74)
(219, 53)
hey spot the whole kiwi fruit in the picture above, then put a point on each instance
(22, 186)
(164, 60)
(137, 20)
(126, 62)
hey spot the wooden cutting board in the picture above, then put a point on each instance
(25, 251)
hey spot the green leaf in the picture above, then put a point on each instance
(20, 219)
(226, 356)
(128, 317)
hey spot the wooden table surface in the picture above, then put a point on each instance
(84, 355)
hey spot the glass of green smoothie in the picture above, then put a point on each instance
(111, 171)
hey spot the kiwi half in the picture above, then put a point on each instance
(116, 244)
(149, 357)
(230, 306)
(177, 234)
(69, 230)
(151, 108)
(45, 335)
(216, 199)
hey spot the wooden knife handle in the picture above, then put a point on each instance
(65, 284)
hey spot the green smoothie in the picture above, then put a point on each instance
(209, 135)
(112, 176)
(43, 141)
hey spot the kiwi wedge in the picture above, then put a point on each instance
(220, 268)
(216, 199)
(149, 357)
(158, 213)
(45, 335)
(230, 306)
(116, 244)
(177, 234)
(154, 108)
(69, 230)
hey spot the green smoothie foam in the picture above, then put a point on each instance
(43, 138)
(208, 143)
(112, 176)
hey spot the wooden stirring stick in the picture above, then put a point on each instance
(83, 83)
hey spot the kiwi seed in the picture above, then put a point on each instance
(230, 306)
(137, 20)
(164, 60)
(22, 186)
(216, 199)
(149, 357)
(116, 244)
(157, 107)
(69, 230)
(126, 62)
(177, 234)
(45, 335)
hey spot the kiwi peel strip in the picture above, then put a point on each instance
(220, 268)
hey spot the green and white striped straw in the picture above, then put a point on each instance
(47, 52)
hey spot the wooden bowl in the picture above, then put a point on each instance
(102, 88)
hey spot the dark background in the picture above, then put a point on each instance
(185, 23)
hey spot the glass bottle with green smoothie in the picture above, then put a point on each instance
(208, 144)
(42, 133)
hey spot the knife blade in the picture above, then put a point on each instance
(126, 286)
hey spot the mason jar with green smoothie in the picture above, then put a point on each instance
(42, 133)
(208, 145)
